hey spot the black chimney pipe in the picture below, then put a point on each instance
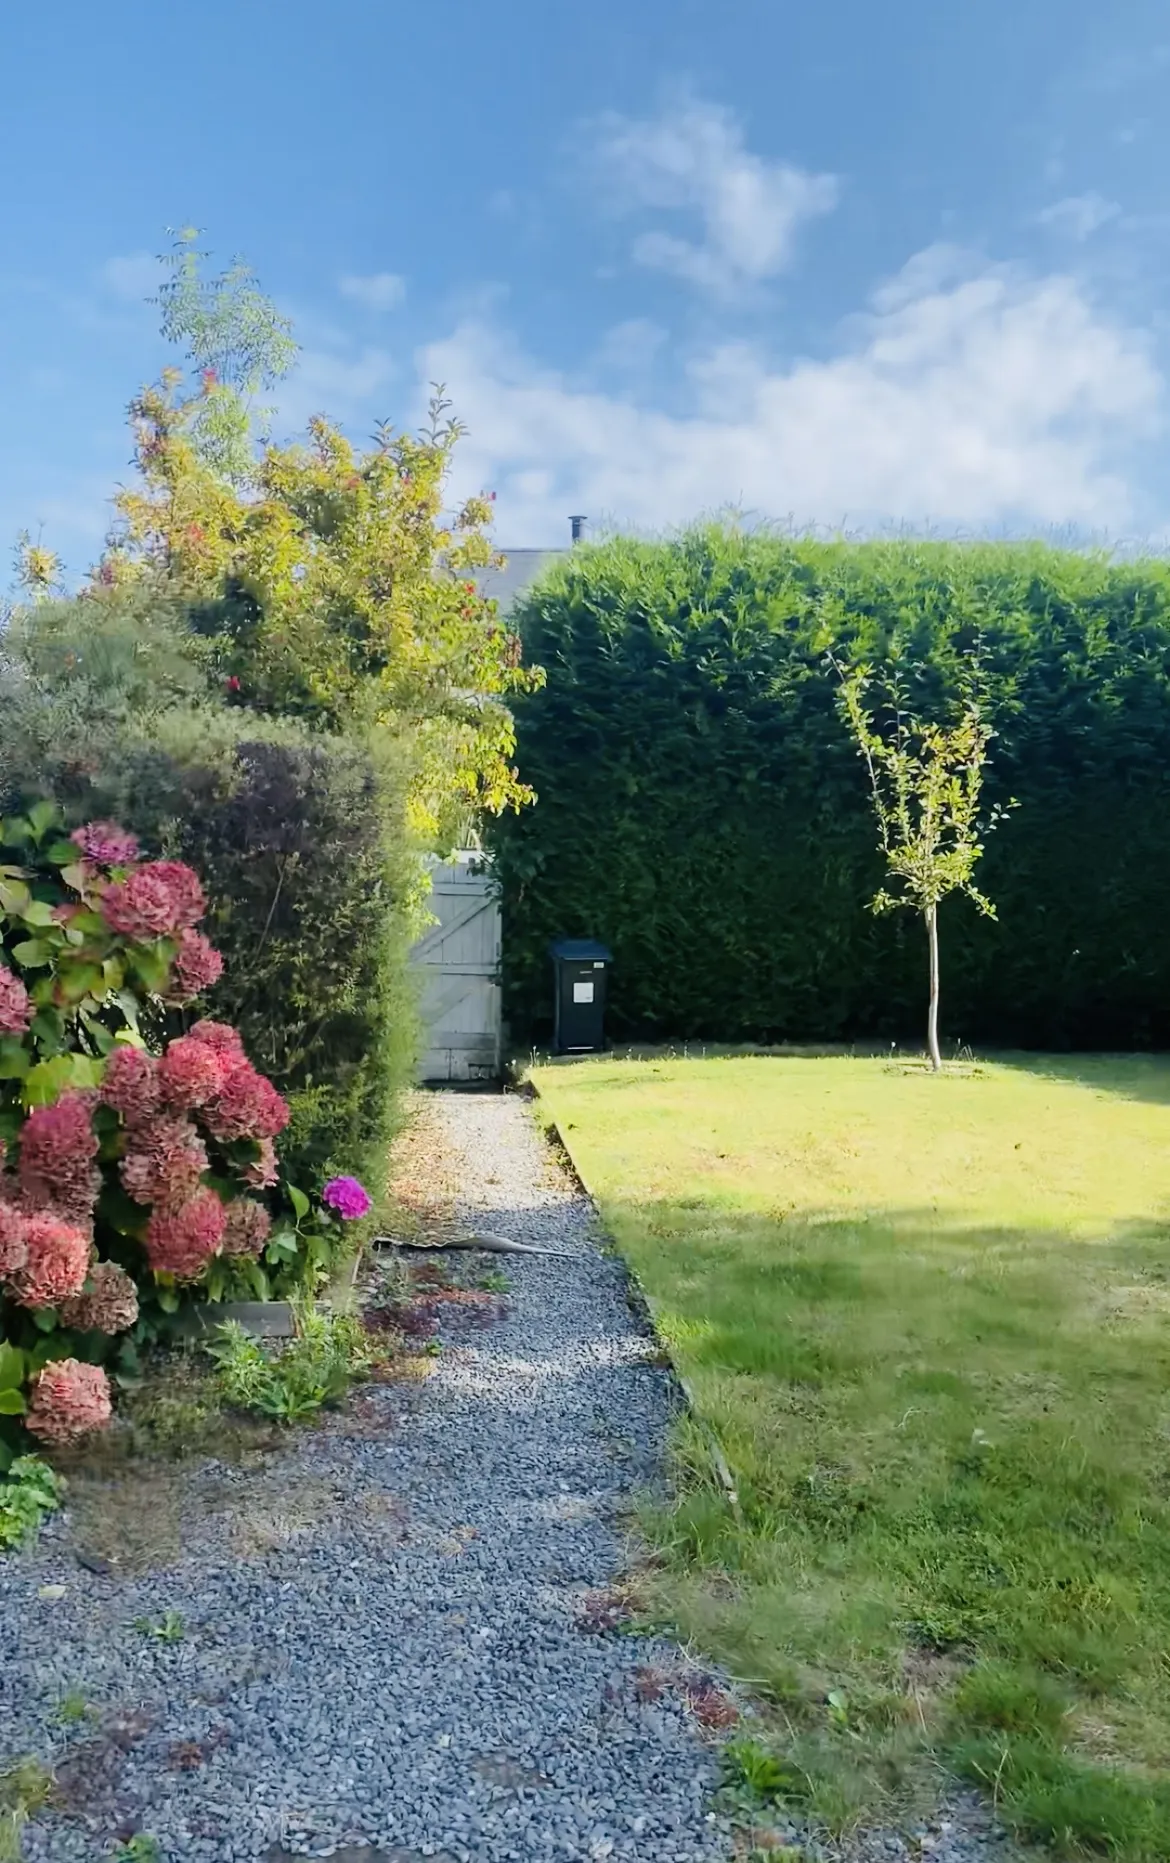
(578, 524)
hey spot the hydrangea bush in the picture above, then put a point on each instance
(138, 1154)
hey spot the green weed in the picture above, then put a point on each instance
(169, 1628)
(29, 1492)
(313, 1370)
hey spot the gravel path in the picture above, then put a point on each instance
(390, 1644)
(389, 1663)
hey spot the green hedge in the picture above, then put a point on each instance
(301, 842)
(702, 810)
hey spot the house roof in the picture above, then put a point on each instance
(519, 573)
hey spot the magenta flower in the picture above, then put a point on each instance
(15, 1007)
(245, 1106)
(131, 1084)
(246, 1227)
(55, 1265)
(349, 1198)
(182, 1242)
(226, 1041)
(189, 1073)
(164, 1163)
(68, 1400)
(154, 901)
(106, 844)
(58, 1147)
(197, 965)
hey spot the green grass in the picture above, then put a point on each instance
(926, 1320)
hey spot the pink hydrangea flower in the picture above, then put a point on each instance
(197, 965)
(160, 898)
(349, 1198)
(262, 1173)
(247, 1227)
(68, 1400)
(56, 1262)
(16, 1011)
(189, 1073)
(130, 1084)
(247, 1106)
(220, 1036)
(164, 1162)
(106, 844)
(181, 1242)
(109, 1303)
(58, 1146)
(13, 1247)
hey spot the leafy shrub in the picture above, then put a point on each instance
(702, 810)
(131, 1155)
(29, 1494)
(313, 884)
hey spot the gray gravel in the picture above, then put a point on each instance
(407, 1669)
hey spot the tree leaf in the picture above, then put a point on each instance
(13, 1365)
(48, 1027)
(44, 1319)
(14, 897)
(78, 980)
(61, 853)
(151, 965)
(37, 912)
(12, 1403)
(298, 1200)
(47, 1080)
(15, 1061)
(43, 816)
(32, 952)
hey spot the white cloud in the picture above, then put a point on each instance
(134, 277)
(631, 347)
(380, 291)
(1080, 215)
(342, 387)
(963, 400)
(692, 158)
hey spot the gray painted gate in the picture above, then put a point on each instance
(457, 962)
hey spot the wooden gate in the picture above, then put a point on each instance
(457, 963)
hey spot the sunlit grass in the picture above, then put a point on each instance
(927, 1321)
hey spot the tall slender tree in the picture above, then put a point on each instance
(926, 782)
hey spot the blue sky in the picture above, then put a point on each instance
(841, 263)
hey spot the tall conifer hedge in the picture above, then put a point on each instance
(702, 809)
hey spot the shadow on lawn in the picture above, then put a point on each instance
(1131, 1076)
(949, 1446)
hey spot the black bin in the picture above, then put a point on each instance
(580, 966)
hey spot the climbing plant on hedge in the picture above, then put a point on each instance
(700, 809)
(136, 1159)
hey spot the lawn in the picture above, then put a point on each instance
(926, 1319)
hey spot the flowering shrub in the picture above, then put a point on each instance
(129, 1156)
(349, 1198)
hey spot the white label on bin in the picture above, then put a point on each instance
(583, 992)
(599, 963)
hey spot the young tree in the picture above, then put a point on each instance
(323, 580)
(925, 781)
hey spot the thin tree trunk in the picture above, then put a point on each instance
(932, 1021)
